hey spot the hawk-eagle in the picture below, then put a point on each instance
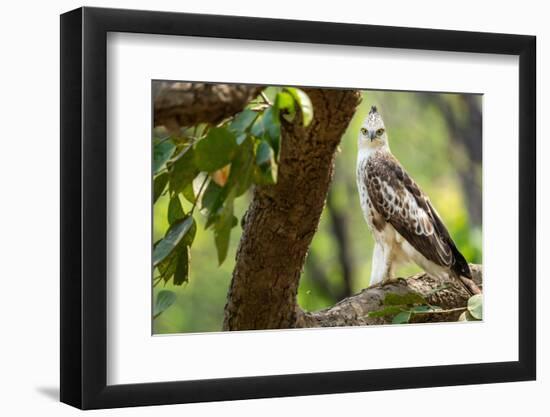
(405, 225)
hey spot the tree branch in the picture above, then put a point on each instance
(353, 311)
(282, 219)
(179, 104)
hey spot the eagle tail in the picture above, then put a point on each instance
(462, 271)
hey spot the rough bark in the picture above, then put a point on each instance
(353, 311)
(282, 219)
(179, 104)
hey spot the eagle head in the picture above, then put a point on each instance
(373, 131)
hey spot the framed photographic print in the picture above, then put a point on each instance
(257, 208)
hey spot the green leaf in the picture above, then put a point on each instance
(161, 153)
(386, 311)
(175, 210)
(475, 306)
(258, 128)
(159, 184)
(222, 229)
(242, 168)
(409, 298)
(264, 154)
(266, 175)
(272, 128)
(189, 193)
(402, 317)
(241, 138)
(173, 237)
(184, 171)
(285, 103)
(210, 195)
(304, 102)
(189, 237)
(267, 126)
(216, 150)
(212, 200)
(167, 266)
(242, 121)
(164, 300)
(181, 274)
(422, 309)
(271, 122)
(265, 172)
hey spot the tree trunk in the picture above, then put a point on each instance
(282, 219)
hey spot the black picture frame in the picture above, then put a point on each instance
(84, 207)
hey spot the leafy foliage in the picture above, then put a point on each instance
(402, 307)
(210, 167)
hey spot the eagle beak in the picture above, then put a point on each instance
(372, 135)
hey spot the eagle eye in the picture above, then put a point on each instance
(364, 131)
(380, 132)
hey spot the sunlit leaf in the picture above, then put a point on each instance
(174, 235)
(165, 299)
(285, 103)
(475, 306)
(216, 150)
(304, 102)
(220, 176)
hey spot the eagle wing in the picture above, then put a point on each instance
(400, 201)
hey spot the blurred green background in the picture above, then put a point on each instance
(437, 138)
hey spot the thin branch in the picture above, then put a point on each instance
(436, 311)
(265, 99)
